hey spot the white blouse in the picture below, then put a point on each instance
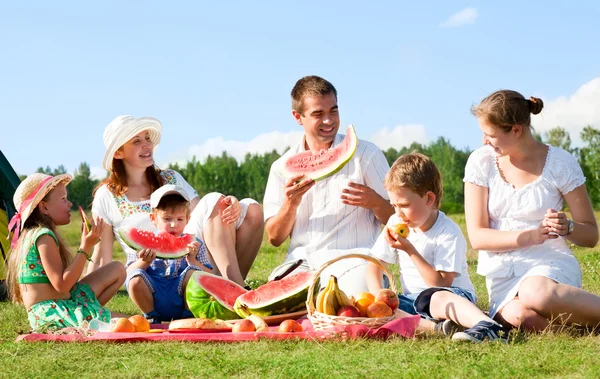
(523, 208)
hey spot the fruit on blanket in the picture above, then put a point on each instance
(259, 323)
(400, 229)
(389, 297)
(123, 325)
(348, 311)
(277, 297)
(199, 324)
(166, 245)
(290, 326)
(211, 296)
(244, 325)
(379, 309)
(326, 162)
(140, 323)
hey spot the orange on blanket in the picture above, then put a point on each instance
(140, 323)
(123, 325)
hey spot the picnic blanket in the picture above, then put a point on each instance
(404, 327)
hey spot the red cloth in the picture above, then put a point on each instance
(404, 327)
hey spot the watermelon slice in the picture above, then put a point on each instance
(278, 297)
(166, 245)
(326, 162)
(84, 220)
(211, 296)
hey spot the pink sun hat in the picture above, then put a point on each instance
(28, 195)
(122, 129)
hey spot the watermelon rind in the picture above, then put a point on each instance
(332, 167)
(289, 301)
(204, 304)
(159, 254)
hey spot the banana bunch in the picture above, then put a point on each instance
(331, 298)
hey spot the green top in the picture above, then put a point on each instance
(32, 270)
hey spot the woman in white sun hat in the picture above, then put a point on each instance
(42, 272)
(232, 230)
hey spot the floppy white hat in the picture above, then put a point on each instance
(167, 189)
(29, 194)
(122, 129)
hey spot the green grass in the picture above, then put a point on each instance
(550, 354)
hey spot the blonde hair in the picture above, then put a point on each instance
(36, 221)
(506, 108)
(309, 86)
(416, 172)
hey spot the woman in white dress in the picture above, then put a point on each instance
(514, 192)
(232, 230)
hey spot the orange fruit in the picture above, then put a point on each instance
(123, 325)
(140, 323)
(362, 304)
(366, 295)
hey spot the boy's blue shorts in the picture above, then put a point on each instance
(418, 303)
(166, 292)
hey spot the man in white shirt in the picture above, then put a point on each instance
(336, 216)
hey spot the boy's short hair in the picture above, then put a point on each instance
(310, 86)
(169, 197)
(416, 172)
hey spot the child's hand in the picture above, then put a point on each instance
(147, 255)
(192, 249)
(91, 237)
(397, 242)
(556, 221)
(230, 209)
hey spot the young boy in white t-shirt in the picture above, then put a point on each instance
(432, 258)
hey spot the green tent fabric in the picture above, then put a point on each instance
(9, 180)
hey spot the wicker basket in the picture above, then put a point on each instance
(322, 321)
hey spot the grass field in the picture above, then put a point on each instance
(563, 354)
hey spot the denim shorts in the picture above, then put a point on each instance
(418, 303)
(166, 292)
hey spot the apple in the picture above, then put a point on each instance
(290, 326)
(244, 325)
(389, 297)
(348, 311)
(400, 229)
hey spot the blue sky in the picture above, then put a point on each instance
(218, 74)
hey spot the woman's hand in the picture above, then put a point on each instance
(541, 234)
(90, 237)
(557, 222)
(230, 209)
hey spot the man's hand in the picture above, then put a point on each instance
(360, 195)
(294, 189)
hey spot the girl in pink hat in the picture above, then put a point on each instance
(232, 230)
(42, 273)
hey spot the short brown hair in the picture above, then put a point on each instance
(506, 108)
(310, 86)
(416, 172)
(172, 202)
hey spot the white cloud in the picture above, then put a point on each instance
(464, 17)
(400, 136)
(571, 112)
(97, 172)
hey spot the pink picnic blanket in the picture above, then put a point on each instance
(404, 327)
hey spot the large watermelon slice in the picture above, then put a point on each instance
(278, 297)
(166, 245)
(326, 162)
(212, 296)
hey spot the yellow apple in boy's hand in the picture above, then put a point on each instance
(400, 229)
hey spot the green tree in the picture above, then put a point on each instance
(559, 137)
(589, 159)
(81, 187)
